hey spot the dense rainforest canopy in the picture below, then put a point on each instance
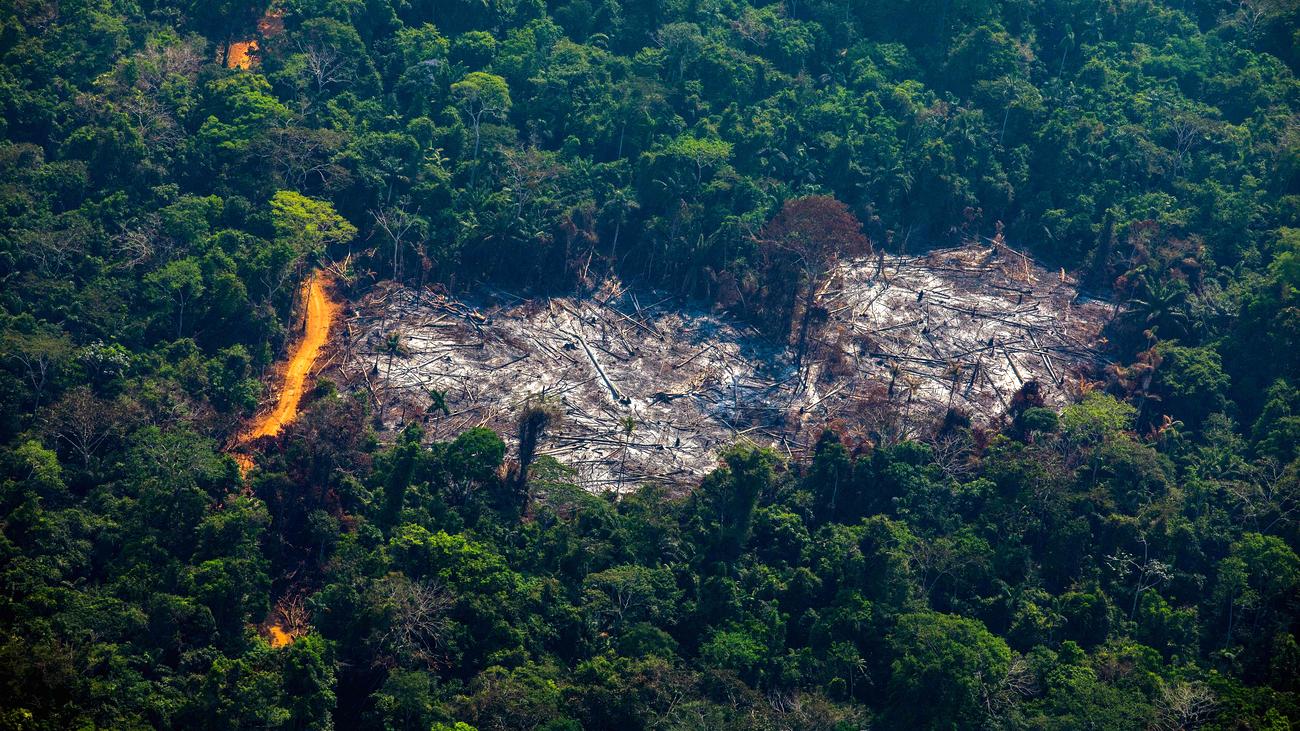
(171, 171)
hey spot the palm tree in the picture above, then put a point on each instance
(539, 413)
(392, 346)
(438, 404)
(1161, 305)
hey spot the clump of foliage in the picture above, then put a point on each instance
(1130, 562)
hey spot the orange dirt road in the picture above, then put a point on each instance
(320, 316)
(240, 55)
(279, 637)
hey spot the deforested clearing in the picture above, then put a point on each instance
(651, 387)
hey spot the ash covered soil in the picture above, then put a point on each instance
(652, 388)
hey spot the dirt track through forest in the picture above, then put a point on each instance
(321, 312)
(320, 317)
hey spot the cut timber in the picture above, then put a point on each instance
(690, 381)
(702, 351)
(1047, 358)
(613, 390)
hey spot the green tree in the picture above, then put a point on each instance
(628, 594)
(725, 501)
(309, 682)
(311, 224)
(481, 96)
(1191, 382)
(176, 285)
(946, 672)
(307, 227)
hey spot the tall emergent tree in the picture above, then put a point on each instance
(801, 246)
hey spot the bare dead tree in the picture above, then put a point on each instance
(1147, 572)
(1184, 706)
(51, 252)
(294, 616)
(325, 65)
(526, 174)
(302, 157)
(1268, 494)
(1017, 683)
(400, 225)
(145, 99)
(83, 422)
(751, 29)
(1190, 130)
(417, 616)
(953, 453)
(141, 241)
(39, 355)
(1253, 15)
(153, 120)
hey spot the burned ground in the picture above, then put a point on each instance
(652, 388)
